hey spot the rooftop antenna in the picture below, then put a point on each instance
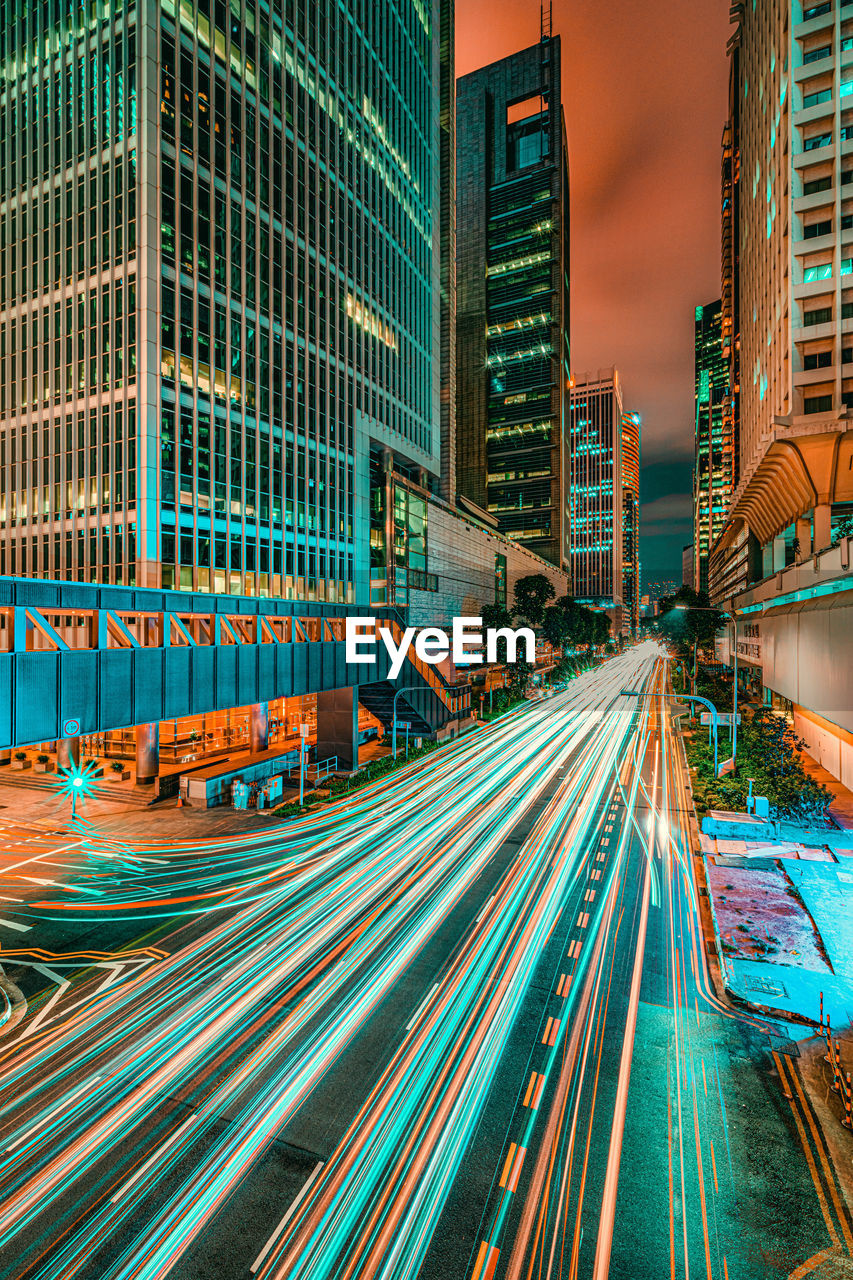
(546, 19)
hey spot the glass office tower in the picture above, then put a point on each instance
(713, 470)
(513, 355)
(218, 285)
(631, 423)
(596, 491)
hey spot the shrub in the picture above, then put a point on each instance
(117, 766)
(20, 755)
(43, 759)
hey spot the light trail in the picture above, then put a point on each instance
(308, 932)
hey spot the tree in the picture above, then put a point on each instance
(693, 626)
(557, 625)
(530, 597)
(496, 616)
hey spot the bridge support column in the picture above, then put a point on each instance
(259, 731)
(337, 726)
(804, 538)
(822, 526)
(779, 553)
(68, 752)
(147, 752)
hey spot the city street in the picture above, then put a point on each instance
(461, 1025)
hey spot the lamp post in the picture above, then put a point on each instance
(688, 697)
(76, 784)
(686, 608)
(404, 688)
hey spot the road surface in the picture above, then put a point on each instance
(462, 1027)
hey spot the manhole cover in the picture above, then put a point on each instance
(765, 986)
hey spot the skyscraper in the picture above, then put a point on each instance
(631, 519)
(218, 286)
(713, 465)
(513, 296)
(596, 515)
(781, 562)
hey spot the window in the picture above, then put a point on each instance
(817, 229)
(527, 140)
(820, 316)
(814, 99)
(816, 11)
(817, 360)
(818, 140)
(816, 185)
(814, 55)
(500, 580)
(821, 272)
(817, 404)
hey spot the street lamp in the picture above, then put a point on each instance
(404, 688)
(733, 620)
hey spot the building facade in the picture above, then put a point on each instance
(782, 559)
(513, 297)
(219, 285)
(631, 425)
(713, 460)
(596, 418)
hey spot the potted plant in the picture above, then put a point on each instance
(43, 764)
(20, 761)
(117, 772)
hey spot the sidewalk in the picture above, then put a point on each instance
(783, 921)
(841, 807)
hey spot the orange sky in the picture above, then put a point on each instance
(645, 94)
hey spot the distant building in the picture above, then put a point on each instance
(782, 561)
(631, 519)
(688, 575)
(513, 296)
(713, 468)
(596, 425)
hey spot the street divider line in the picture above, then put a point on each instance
(294, 1206)
(429, 995)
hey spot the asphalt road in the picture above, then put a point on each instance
(463, 1028)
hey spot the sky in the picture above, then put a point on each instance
(645, 91)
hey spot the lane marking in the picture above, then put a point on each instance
(534, 1091)
(589, 896)
(512, 1167)
(42, 1121)
(484, 909)
(294, 1206)
(14, 924)
(552, 1030)
(583, 919)
(156, 1156)
(423, 1004)
(487, 1260)
(574, 949)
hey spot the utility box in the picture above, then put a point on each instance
(762, 806)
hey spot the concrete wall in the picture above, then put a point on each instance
(807, 656)
(462, 554)
(832, 750)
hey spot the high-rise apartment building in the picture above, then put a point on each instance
(596, 491)
(631, 424)
(730, 265)
(513, 296)
(219, 277)
(713, 462)
(782, 560)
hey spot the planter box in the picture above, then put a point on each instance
(22, 764)
(112, 775)
(47, 767)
